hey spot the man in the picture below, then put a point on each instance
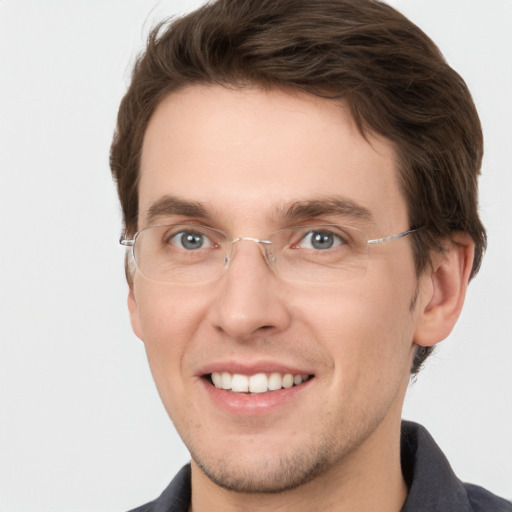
(299, 189)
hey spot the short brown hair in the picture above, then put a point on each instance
(392, 75)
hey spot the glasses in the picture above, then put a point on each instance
(192, 254)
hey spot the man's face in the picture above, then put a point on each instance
(247, 156)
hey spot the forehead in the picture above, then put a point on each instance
(245, 153)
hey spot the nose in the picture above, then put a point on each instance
(251, 299)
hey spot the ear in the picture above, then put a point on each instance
(133, 309)
(443, 289)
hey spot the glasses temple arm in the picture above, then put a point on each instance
(392, 237)
(124, 241)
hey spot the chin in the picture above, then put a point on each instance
(285, 475)
(269, 472)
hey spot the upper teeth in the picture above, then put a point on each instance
(257, 383)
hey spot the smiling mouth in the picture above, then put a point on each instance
(257, 383)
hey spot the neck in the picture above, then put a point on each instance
(370, 478)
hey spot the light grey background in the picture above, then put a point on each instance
(81, 425)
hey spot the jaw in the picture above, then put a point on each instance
(282, 439)
(261, 471)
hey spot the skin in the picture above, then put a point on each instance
(334, 443)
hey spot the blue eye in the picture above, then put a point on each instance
(320, 240)
(190, 240)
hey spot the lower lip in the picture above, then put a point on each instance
(253, 404)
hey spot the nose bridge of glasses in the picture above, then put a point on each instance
(250, 239)
(262, 244)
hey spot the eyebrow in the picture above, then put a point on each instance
(297, 210)
(170, 205)
(332, 205)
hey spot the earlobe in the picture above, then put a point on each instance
(134, 313)
(443, 290)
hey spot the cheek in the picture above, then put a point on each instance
(168, 319)
(368, 342)
(366, 329)
(167, 314)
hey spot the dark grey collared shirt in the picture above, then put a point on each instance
(433, 486)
